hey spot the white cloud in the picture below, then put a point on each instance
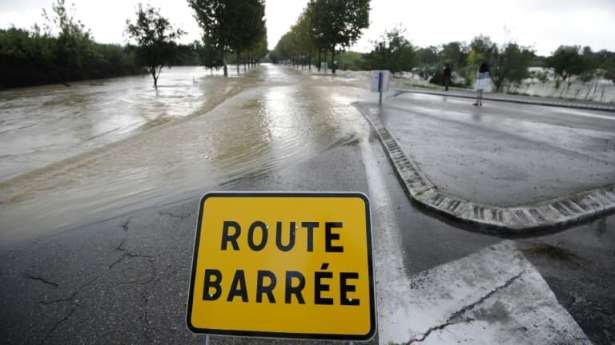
(542, 24)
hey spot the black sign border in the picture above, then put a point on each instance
(284, 335)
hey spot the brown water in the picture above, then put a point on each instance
(72, 155)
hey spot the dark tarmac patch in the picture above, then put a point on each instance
(552, 252)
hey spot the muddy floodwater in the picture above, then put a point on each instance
(74, 154)
(42, 125)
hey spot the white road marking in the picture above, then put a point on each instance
(391, 282)
(494, 296)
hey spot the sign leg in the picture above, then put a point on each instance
(380, 87)
(207, 339)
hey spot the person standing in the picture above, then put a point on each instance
(482, 82)
(448, 74)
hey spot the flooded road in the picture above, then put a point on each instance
(97, 234)
(42, 125)
(73, 155)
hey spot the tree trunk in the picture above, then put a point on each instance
(237, 62)
(319, 59)
(333, 64)
(224, 64)
(310, 62)
(153, 71)
(325, 60)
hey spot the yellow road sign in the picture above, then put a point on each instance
(283, 265)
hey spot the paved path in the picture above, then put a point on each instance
(562, 208)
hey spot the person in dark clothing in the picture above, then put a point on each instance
(482, 82)
(448, 74)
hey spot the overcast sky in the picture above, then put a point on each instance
(541, 24)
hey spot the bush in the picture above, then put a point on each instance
(28, 58)
(350, 61)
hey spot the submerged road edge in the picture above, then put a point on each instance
(563, 104)
(514, 220)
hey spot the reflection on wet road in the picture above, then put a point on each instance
(42, 125)
(279, 117)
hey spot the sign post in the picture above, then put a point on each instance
(380, 83)
(287, 265)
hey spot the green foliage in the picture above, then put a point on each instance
(337, 23)
(509, 64)
(394, 53)
(155, 37)
(482, 48)
(602, 62)
(352, 61)
(63, 52)
(542, 76)
(236, 26)
(427, 56)
(567, 61)
(324, 26)
(453, 54)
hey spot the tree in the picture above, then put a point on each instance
(481, 49)
(337, 23)
(156, 40)
(230, 25)
(210, 55)
(212, 17)
(510, 64)
(298, 44)
(566, 61)
(303, 38)
(607, 64)
(453, 53)
(73, 48)
(394, 53)
(250, 29)
(427, 56)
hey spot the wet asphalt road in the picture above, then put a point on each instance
(504, 154)
(97, 249)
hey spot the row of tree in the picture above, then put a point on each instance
(63, 49)
(324, 27)
(231, 27)
(509, 62)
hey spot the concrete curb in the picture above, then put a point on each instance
(563, 104)
(514, 220)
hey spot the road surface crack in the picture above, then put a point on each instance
(126, 224)
(57, 324)
(173, 215)
(70, 298)
(148, 331)
(437, 328)
(40, 279)
(120, 246)
(455, 317)
(126, 255)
